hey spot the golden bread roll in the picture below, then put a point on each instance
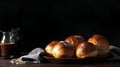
(101, 43)
(50, 46)
(85, 50)
(74, 40)
(63, 50)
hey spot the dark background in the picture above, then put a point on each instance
(46, 20)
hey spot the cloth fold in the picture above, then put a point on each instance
(114, 53)
(31, 57)
(35, 56)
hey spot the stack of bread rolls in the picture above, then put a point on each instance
(77, 46)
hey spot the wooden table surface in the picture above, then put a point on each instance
(6, 63)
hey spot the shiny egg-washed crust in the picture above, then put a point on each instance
(74, 40)
(86, 49)
(101, 43)
(63, 50)
(50, 46)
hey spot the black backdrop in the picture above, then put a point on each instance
(46, 20)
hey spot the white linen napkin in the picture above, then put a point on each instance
(31, 57)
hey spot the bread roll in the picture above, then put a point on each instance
(101, 43)
(85, 50)
(50, 46)
(63, 50)
(74, 40)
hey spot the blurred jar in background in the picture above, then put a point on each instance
(9, 47)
